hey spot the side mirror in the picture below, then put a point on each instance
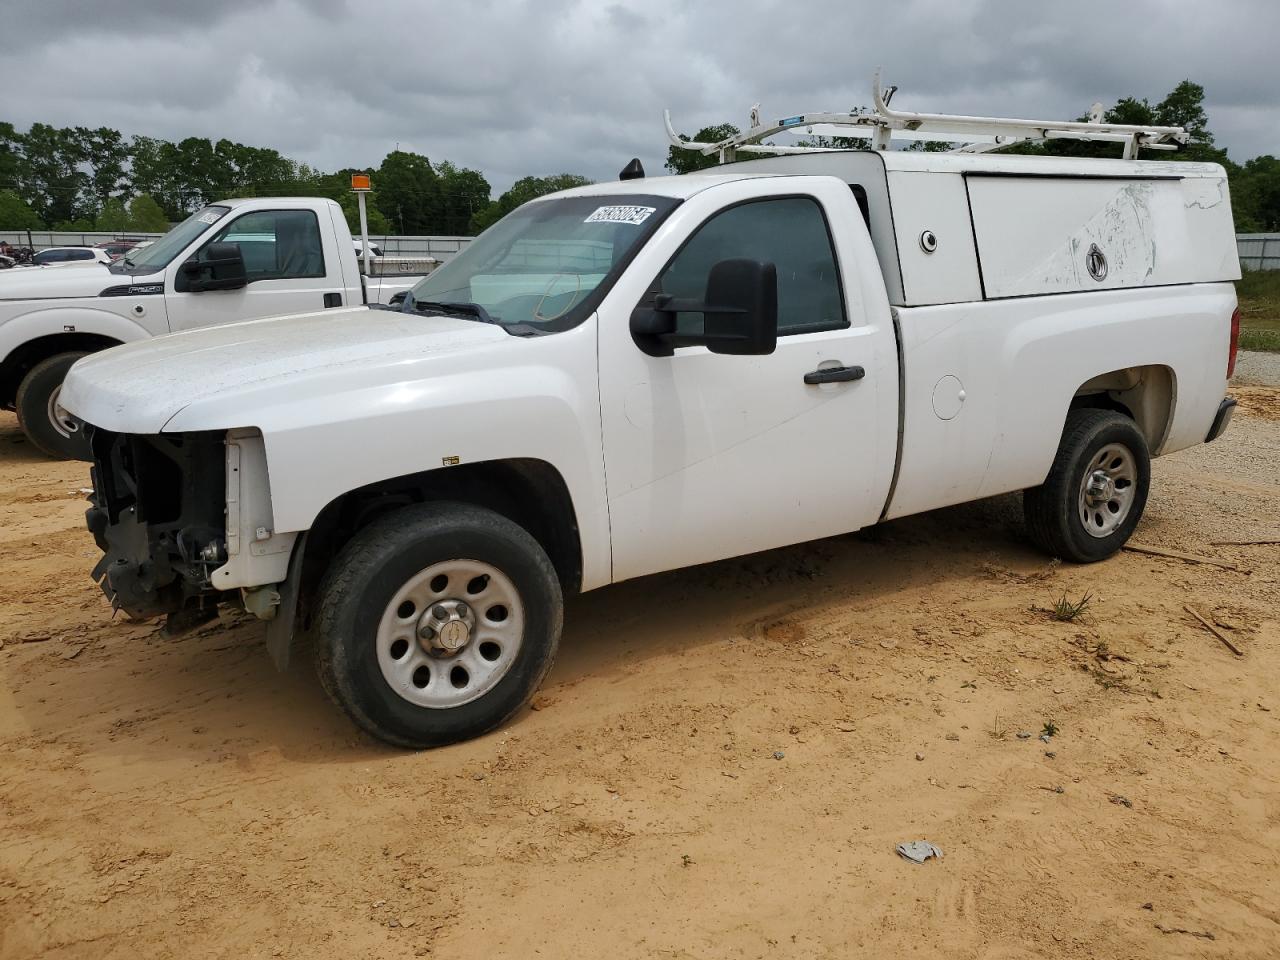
(221, 269)
(739, 310)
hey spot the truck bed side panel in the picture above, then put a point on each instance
(988, 385)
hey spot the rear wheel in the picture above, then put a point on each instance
(1096, 490)
(437, 622)
(50, 428)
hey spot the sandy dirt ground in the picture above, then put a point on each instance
(719, 765)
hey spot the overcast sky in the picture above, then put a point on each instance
(514, 88)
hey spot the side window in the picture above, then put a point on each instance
(80, 255)
(275, 244)
(791, 233)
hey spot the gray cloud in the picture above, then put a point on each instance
(512, 87)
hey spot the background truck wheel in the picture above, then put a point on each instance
(42, 420)
(1096, 490)
(437, 622)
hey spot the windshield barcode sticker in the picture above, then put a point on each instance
(211, 216)
(632, 215)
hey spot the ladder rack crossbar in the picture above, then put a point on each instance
(883, 120)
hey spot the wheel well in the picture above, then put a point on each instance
(1144, 394)
(529, 492)
(21, 359)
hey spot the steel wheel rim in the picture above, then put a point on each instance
(62, 422)
(1107, 490)
(450, 633)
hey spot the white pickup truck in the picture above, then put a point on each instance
(643, 375)
(231, 261)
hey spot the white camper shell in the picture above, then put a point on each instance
(957, 228)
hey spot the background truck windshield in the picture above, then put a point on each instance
(548, 264)
(156, 256)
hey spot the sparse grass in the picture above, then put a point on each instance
(1067, 611)
(1259, 295)
(1050, 729)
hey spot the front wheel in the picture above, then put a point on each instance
(437, 622)
(53, 430)
(1096, 490)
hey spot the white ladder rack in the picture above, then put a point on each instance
(881, 124)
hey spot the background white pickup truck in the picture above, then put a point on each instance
(639, 376)
(234, 260)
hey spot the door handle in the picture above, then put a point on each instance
(834, 375)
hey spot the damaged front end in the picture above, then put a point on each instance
(159, 515)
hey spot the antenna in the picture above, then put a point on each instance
(978, 134)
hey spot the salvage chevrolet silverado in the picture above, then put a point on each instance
(639, 376)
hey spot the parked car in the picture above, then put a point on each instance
(63, 256)
(116, 249)
(639, 376)
(229, 262)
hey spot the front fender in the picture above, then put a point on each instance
(537, 398)
(45, 319)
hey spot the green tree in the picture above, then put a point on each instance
(106, 154)
(1184, 107)
(147, 171)
(687, 161)
(53, 182)
(521, 192)
(462, 194)
(146, 216)
(10, 157)
(16, 213)
(409, 191)
(113, 216)
(1255, 195)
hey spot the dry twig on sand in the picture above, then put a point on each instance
(1214, 630)
(1187, 557)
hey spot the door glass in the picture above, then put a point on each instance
(275, 244)
(791, 233)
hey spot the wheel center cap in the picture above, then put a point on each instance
(1101, 487)
(453, 636)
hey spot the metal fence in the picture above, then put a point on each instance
(1259, 251)
(442, 248)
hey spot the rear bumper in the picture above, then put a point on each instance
(1226, 410)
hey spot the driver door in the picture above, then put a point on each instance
(710, 456)
(285, 256)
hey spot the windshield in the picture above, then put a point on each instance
(156, 256)
(546, 266)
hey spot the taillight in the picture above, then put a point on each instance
(1235, 342)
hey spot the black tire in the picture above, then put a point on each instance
(1053, 510)
(32, 405)
(375, 564)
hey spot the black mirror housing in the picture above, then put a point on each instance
(221, 269)
(740, 313)
(743, 319)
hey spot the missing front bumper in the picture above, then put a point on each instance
(158, 515)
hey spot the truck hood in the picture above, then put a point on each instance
(47, 283)
(139, 387)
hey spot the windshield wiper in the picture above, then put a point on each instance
(449, 306)
(127, 262)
